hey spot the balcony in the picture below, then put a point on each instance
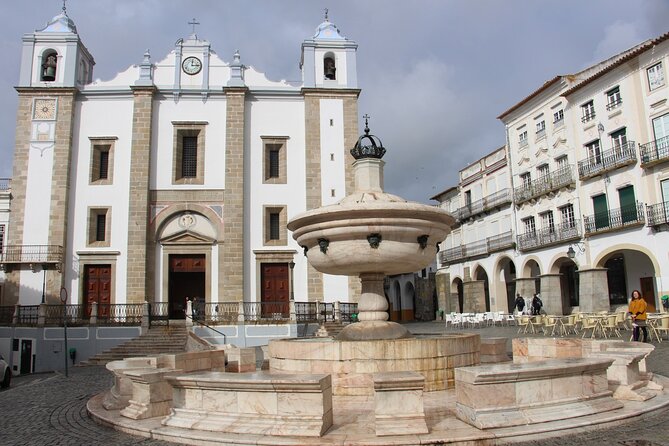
(5, 184)
(562, 177)
(549, 236)
(31, 255)
(658, 214)
(588, 116)
(615, 219)
(607, 161)
(477, 249)
(652, 153)
(492, 201)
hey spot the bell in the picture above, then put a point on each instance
(49, 74)
(329, 69)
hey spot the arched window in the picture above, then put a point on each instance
(329, 67)
(49, 65)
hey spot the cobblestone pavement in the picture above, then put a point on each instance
(50, 409)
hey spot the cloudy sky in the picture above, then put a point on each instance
(434, 74)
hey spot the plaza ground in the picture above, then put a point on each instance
(50, 409)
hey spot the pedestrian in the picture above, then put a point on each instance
(520, 303)
(638, 311)
(537, 304)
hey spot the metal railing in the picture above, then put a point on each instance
(5, 183)
(654, 152)
(614, 104)
(120, 314)
(562, 177)
(608, 160)
(500, 242)
(159, 313)
(589, 116)
(658, 214)
(7, 314)
(614, 219)
(306, 312)
(31, 254)
(266, 311)
(218, 312)
(27, 315)
(346, 310)
(54, 314)
(491, 201)
(549, 236)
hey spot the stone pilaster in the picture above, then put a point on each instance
(312, 116)
(444, 302)
(473, 296)
(231, 271)
(551, 294)
(593, 290)
(138, 211)
(526, 286)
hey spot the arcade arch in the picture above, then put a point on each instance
(480, 274)
(630, 267)
(457, 291)
(505, 281)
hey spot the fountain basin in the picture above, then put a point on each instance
(352, 364)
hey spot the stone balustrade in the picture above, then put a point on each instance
(276, 405)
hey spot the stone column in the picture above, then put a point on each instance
(232, 274)
(138, 209)
(551, 294)
(473, 296)
(443, 292)
(593, 290)
(526, 286)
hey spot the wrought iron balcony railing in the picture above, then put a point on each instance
(563, 177)
(615, 219)
(31, 254)
(658, 214)
(654, 152)
(614, 104)
(589, 116)
(5, 184)
(606, 161)
(478, 248)
(543, 237)
(492, 201)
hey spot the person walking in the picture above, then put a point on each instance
(519, 303)
(638, 311)
(536, 305)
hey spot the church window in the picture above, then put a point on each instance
(329, 67)
(275, 225)
(99, 227)
(274, 159)
(49, 66)
(188, 155)
(102, 160)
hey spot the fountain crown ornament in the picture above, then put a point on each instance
(368, 145)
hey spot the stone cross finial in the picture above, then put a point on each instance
(194, 22)
(326, 15)
(64, 8)
(366, 117)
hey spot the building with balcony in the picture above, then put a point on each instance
(588, 158)
(175, 178)
(482, 205)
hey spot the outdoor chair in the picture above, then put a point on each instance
(550, 325)
(662, 326)
(570, 324)
(509, 319)
(523, 323)
(610, 324)
(589, 323)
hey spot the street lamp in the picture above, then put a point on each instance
(44, 283)
(571, 253)
(292, 292)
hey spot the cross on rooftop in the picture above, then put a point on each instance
(64, 8)
(194, 22)
(366, 117)
(326, 14)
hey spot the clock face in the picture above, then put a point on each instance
(45, 109)
(191, 65)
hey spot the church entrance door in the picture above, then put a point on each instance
(97, 288)
(186, 280)
(275, 290)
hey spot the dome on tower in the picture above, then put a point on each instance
(59, 24)
(328, 31)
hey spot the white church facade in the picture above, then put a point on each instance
(177, 177)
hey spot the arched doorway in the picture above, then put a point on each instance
(396, 302)
(568, 270)
(506, 282)
(482, 275)
(533, 270)
(457, 291)
(408, 302)
(627, 270)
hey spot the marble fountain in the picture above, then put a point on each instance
(376, 384)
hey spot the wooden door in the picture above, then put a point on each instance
(601, 207)
(275, 289)
(186, 280)
(97, 288)
(648, 293)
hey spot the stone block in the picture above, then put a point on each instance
(398, 399)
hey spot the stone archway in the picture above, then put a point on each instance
(629, 269)
(408, 302)
(481, 275)
(505, 282)
(457, 293)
